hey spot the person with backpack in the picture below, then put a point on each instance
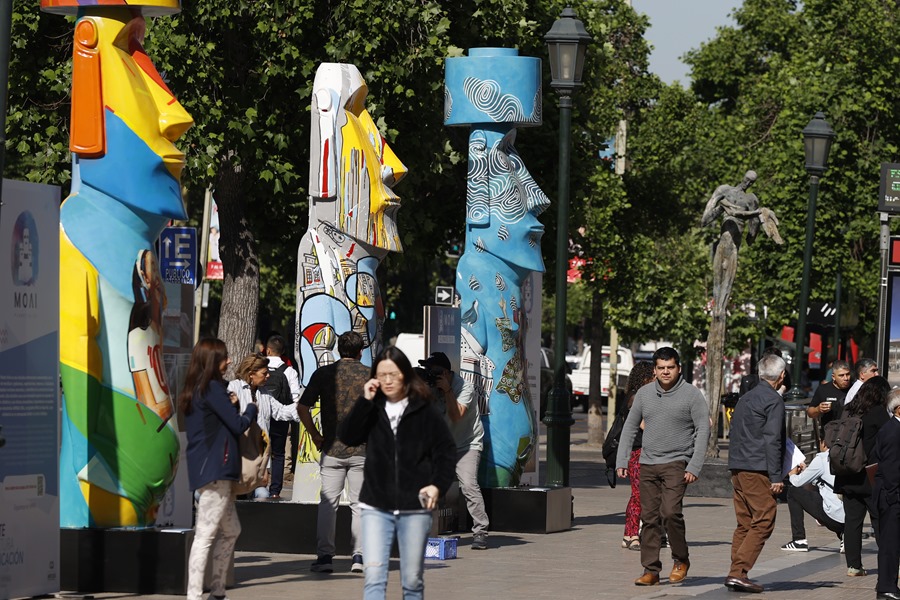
(284, 386)
(640, 375)
(868, 407)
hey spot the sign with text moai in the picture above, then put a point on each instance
(889, 192)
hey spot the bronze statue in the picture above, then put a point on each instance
(738, 209)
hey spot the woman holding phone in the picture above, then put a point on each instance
(410, 462)
(213, 425)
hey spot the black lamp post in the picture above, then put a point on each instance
(817, 139)
(567, 41)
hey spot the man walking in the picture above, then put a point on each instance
(336, 387)
(283, 385)
(755, 452)
(455, 396)
(676, 428)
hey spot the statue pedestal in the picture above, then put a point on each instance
(529, 509)
(288, 527)
(714, 481)
(139, 561)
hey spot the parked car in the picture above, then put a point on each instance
(581, 377)
(547, 379)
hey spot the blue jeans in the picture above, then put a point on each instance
(378, 529)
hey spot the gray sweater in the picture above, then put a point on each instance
(676, 426)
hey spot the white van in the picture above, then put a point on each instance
(581, 377)
(412, 345)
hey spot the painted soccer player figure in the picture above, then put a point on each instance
(494, 90)
(352, 222)
(119, 449)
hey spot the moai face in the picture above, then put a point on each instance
(504, 200)
(353, 168)
(125, 119)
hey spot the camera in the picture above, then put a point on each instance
(430, 376)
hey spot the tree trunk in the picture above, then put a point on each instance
(596, 430)
(237, 247)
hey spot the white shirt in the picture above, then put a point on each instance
(268, 406)
(851, 393)
(394, 411)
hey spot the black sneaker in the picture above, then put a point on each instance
(479, 542)
(796, 546)
(357, 566)
(322, 565)
(664, 541)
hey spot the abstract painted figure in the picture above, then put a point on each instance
(352, 227)
(493, 90)
(119, 447)
(738, 208)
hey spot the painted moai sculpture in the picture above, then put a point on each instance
(352, 221)
(119, 447)
(493, 91)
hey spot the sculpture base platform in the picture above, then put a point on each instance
(287, 527)
(529, 509)
(714, 481)
(140, 561)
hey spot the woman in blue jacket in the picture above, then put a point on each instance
(410, 462)
(213, 425)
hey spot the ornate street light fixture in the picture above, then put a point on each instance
(817, 139)
(566, 41)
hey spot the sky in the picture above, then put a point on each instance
(677, 26)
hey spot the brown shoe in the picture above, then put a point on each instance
(679, 572)
(647, 579)
(742, 584)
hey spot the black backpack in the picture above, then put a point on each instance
(611, 447)
(845, 449)
(277, 386)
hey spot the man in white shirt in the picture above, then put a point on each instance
(865, 369)
(820, 502)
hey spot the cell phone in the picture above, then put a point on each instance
(423, 499)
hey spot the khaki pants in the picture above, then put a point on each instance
(755, 508)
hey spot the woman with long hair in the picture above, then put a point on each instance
(410, 462)
(213, 425)
(641, 374)
(870, 406)
(252, 373)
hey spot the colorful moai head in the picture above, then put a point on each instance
(352, 168)
(494, 90)
(125, 119)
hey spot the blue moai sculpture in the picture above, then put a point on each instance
(493, 91)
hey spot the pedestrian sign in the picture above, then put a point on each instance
(443, 295)
(178, 255)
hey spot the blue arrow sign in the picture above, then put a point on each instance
(178, 255)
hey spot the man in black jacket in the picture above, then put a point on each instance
(886, 493)
(756, 449)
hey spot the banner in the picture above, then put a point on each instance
(29, 390)
(213, 261)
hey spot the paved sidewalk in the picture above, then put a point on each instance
(584, 562)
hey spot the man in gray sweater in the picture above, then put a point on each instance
(675, 419)
(755, 455)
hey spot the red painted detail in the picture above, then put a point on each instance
(325, 170)
(310, 332)
(352, 247)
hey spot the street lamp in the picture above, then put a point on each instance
(817, 139)
(566, 41)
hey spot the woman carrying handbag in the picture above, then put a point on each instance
(213, 424)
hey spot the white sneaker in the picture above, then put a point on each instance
(842, 544)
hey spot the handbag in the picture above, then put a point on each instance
(254, 460)
(871, 470)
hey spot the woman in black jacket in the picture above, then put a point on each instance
(410, 462)
(869, 404)
(213, 425)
